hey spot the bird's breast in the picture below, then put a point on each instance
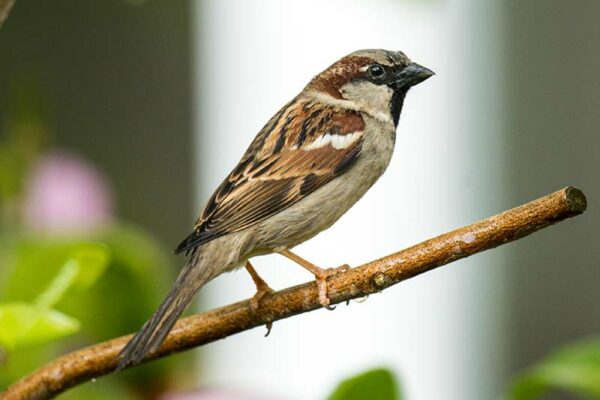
(326, 205)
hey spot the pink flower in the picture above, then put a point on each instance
(66, 194)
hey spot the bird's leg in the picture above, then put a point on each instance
(320, 274)
(262, 289)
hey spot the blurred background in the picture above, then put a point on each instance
(119, 118)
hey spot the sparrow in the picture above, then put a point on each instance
(308, 165)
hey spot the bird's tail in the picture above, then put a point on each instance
(191, 278)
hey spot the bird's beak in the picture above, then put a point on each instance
(411, 75)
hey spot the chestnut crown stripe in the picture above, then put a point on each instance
(337, 75)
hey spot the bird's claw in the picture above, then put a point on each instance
(321, 279)
(268, 325)
(261, 292)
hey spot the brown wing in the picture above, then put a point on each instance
(301, 148)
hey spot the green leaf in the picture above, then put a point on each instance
(51, 325)
(376, 384)
(93, 259)
(127, 291)
(574, 368)
(33, 264)
(24, 324)
(59, 285)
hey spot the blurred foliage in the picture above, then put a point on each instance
(60, 291)
(22, 136)
(375, 384)
(54, 288)
(574, 368)
(23, 323)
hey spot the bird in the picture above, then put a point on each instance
(312, 161)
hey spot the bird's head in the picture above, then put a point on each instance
(372, 79)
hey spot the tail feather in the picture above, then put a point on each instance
(149, 338)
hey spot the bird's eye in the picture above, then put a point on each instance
(376, 71)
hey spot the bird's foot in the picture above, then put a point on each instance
(261, 291)
(262, 288)
(321, 276)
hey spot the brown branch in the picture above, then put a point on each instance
(97, 360)
(5, 7)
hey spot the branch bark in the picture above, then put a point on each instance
(100, 359)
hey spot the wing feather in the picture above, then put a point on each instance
(279, 168)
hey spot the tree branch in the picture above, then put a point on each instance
(97, 360)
